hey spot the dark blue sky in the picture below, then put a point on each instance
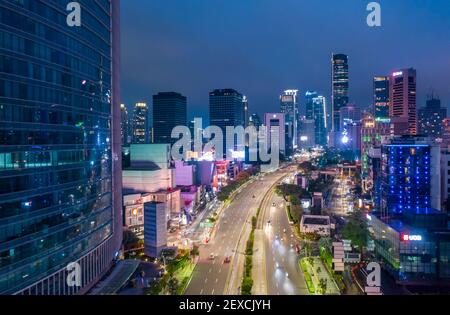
(261, 47)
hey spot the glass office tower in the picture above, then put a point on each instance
(169, 111)
(381, 97)
(59, 145)
(340, 86)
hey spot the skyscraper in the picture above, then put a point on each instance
(273, 121)
(169, 111)
(246, 111)
(431, 117)
(142, 133)
(125, 125)
(340, 86)
(309, 105)
(319, 112)
(226, 108)
(402, 101)
(381, 97)
(60, 146)
(289, 107)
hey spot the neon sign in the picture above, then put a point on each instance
(407, 237)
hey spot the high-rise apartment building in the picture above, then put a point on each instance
(60, 146)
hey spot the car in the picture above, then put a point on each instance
(287, 275)
(274, 204)
(268, 222)
(253, 197)
(227, 260)
(284, 230)
(212, 257)
(277, 265)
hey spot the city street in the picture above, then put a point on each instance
(341, 197)
(212, 275)
(283, 273)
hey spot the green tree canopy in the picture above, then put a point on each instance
(356, 230)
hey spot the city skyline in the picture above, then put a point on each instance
(312, 190)
(302, 62)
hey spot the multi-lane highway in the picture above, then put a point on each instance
(212, 275)
(283, 274)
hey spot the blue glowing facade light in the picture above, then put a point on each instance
(405, 177)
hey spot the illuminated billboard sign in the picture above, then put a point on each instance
(407, 237)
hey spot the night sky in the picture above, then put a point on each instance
(261, 47)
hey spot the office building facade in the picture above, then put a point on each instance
(226, 109)
(155, 228)
(60, 146)
(381, 97)
(319, 115)
(410, 175)
(430, 118)
(402, 101)
(340, 86)
(289, 107)
(275, 125)
(169, 111)
(125, 125)
(142, 133)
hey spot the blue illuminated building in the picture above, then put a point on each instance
(410, 233)
(60, 139)
(410, 171)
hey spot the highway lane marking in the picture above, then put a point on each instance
(210, 269)
(206, 280)
(201, 292)
(217, 280)
(212, 293)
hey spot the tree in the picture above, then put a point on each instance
(306, 167)
(356, 230)
(323, 286)
(286, 190)
(307, 247)
(172, 285)
(154, 289)
(194, 252)
(325, 243)
(129, 239)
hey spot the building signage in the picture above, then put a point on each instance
(407, 237)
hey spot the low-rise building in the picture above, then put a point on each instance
(315, 224)
(414, 247)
